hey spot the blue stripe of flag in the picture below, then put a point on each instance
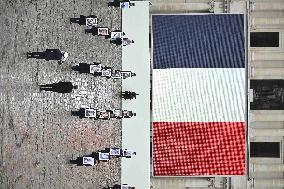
(198, 41)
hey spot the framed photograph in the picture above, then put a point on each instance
(103, 156)
(124, 5)
(106, 72)
(114, 35)
(127, 153)
(90, 112)
(91, 22)
(104, 115)
(117, 113)
(116, 75)
(125, 74)
(127, 113)
(125, 186)
(95, 68)
(88, 161)
(114, 151)
(103, 31)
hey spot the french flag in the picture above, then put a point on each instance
(198, 95)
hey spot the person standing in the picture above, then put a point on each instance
(82, 19)
(60, 87)
(121, 41)
(127, 41)
(124, 186)
(128, 95)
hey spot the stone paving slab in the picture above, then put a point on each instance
(38, 135)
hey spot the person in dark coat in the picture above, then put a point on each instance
(80, 113)
(118, 186)
(79, 160)
(60, 87)
(120, 41)
(128, 95)
(85, 68)
(116, 3)
(82, 19)
(128, 114)
(116, 41)
(49, 54)
(95, 31)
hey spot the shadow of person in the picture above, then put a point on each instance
(80, 113)
(78, 161)
(94, 155)
(81, 21)
(48, 54)
(91, 30)
(37, 55)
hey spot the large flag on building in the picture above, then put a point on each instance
(198, 95)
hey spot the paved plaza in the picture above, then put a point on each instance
(38, 135)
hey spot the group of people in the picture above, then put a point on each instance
(102, 156)
(116, 37)
(121, 3)
(91, 23)
(118, 186)
(97, 69)
(94, 113)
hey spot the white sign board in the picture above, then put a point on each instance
(103, 156)
(124, 5)
(114, 151)
(88, 161)
(103, 31)
(91, 22)
(114, 35)
(95, 68)
(90, 112)
(106, 72)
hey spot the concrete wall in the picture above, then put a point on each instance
(266, 63)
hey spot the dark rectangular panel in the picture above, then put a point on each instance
(265, 149)
(267, 94)
(264, 39)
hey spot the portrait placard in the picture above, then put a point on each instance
(125, 186)
(103, 156)
(104, 115)
(124, 5)
(117, 113)
(91, 22)
(114, 35)
(116, 75)
(90, 112)
(125, 74)
(114, 151)
(103, 31)
(95, 68)
(88, 161)
(127, 153)
(106, 72)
